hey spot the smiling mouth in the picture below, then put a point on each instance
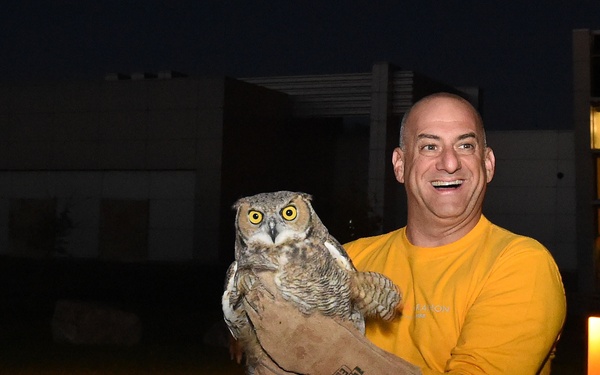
(440, 185)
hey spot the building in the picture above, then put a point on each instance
(586, 118)
(146, 167)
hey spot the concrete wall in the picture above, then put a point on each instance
(169, 195)
(138, 164)
(533, 191)
(134, 124)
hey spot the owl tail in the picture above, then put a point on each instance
(376, 295)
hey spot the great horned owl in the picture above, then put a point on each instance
(280, 233)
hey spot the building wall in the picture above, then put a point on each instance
(149, 169)
(533, 190)
(253, 119)
(104, 151)
(138, 164)
(167, 227)
(122, 125)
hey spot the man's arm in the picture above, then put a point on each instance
(316, 344)
(515, 321)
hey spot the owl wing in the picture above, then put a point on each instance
(372, 293)
(237, 321)
(233, 310)
(375, 295)
(338, 253)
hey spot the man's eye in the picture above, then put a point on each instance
(467, 146)
(428, 148)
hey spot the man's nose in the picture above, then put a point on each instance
(449, 161)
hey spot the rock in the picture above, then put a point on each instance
(92, 323)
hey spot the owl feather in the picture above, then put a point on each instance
(280, 234)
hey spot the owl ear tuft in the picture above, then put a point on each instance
(305, 196)
(239, 202)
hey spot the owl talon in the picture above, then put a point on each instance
(236, 350)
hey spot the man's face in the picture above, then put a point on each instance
(445, 164)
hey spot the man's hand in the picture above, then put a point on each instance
(315, 344)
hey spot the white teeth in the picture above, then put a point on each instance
(446, 183)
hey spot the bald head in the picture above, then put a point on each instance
(432, 101)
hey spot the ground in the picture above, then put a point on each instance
(178, 304)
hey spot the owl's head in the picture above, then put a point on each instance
(274, 218)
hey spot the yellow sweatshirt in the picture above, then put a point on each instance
(490, 303)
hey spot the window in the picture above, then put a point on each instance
(123, 229)
(33, 227)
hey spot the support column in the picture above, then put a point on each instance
(584, 166)
(379, 160)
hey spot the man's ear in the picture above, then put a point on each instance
(490, 164)
(398, 163)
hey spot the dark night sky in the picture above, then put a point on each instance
(518, 52)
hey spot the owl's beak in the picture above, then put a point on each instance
(273, 230)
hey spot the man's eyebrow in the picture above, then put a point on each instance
(428, 136)
(467, 135)
(436, 137)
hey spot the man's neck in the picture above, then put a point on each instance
(438, 232)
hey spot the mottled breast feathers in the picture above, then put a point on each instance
(280, 233)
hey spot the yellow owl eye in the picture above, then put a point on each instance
(255, 217)
(289, 213)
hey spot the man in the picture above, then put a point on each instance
(478, 299)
